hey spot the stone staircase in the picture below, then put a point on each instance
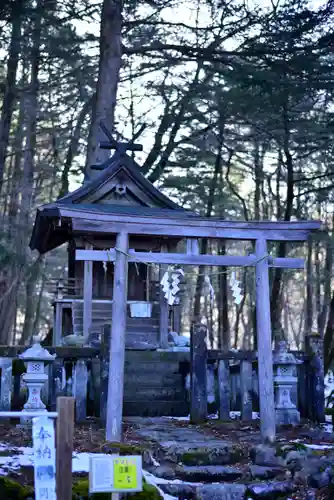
(189, 463)
(138, 330)
(154, 384)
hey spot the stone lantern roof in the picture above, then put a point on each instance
(37, 353)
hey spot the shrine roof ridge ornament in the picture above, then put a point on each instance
(120, 147)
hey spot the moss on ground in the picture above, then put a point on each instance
(81, 488)
(205, 456)
(123, 448)
(284, 449)
(11, 490)
(195, 457)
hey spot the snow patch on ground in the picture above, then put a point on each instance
(237, 415)
(323, 446)
(233, 414)
(24, 457)
(329, 384)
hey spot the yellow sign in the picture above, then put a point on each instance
(125, 474)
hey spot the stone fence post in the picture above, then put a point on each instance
(198, 381)
(315, 349)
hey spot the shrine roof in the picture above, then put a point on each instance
(120, 197)
(120, 171)
(120, 188)
(59, 208)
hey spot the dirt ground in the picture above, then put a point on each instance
(89, 437)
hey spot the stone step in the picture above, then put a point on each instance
(150, 367)
(179, 490)
(217, 473)
(145, 379)
(201, 452)
(154, 394)
(228, 491)
(134, 408)
(208, 473)
(159, 357)
(263, 472)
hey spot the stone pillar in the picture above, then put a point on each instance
(315, 349)
(198, 381)
(285, 380)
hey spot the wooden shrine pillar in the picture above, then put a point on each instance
(117, 341)
(87, 294)
(264, 340)
(164, 307)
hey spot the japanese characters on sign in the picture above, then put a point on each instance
(113, 473)
(44, 458)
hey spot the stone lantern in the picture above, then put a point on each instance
(285, 380)
(35, 358)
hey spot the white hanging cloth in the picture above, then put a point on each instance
(170, 285)
(236, 290)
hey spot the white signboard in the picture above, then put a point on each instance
(113, 473)
(44, 458)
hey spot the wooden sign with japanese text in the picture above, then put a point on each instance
(114, 473)
(44, 458)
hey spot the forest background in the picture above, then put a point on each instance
(233, 103)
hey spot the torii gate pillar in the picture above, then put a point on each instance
(264, 341)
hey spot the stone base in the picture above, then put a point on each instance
(287, 416)
(27, 422)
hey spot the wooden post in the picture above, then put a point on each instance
(177, 314)
(315, 349)
(64, 447)
(88, 295)
(164, 308)
(198, 362)
(104, 372)
(117, 341)
(246, 371)
(224, 389)
(57, 324)
(264, 340)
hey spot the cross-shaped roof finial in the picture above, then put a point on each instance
(120, 147)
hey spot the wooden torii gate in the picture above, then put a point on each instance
(191, 229)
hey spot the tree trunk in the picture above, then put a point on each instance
(73, 147)
(277, 281)
(31, 300)
(27, 185)
(327, 281)
(223, 321)
(317, 273)
(40, 299)
(309, 289)
(327, 290)
(31, 107)
(204, 246)
(329, 338)
(107, 84)
(13, 207)
(9, 285)
(258, 168)
(10, 83)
